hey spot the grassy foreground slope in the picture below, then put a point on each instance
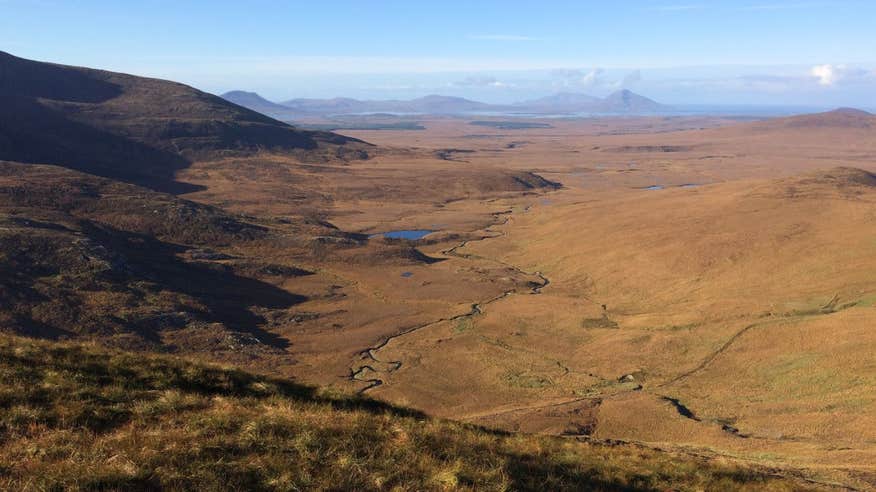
(81, 417)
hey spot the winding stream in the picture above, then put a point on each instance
(500, 218)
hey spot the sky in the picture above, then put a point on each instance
(721, 52)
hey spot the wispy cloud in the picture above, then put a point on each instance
(481, 81)
(593, 78)
(503, 37)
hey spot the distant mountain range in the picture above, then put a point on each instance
(253, 101)
(623, 101)
(430, 104)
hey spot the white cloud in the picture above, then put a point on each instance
(826, 74)
(830, 75)
(627, 81)
(593, 78)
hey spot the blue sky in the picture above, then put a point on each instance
(677, 51)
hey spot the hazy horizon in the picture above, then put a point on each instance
(758, 52)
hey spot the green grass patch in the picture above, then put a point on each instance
(602, 322)
(868, 301)
(463, 325)
(522, 379)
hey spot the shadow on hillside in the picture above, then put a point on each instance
(28, 78)
(33, 133)
(37, 329)
(136, 373)
(227, 297)
(543, 472)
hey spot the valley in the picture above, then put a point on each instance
(701, 286)
(606, 309)
(675, 315)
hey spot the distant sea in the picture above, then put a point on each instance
(729, 111)
(742, 111)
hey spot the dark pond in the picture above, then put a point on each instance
(412, 234)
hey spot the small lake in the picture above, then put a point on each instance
(411, 234)
(407, 274)
(653, 187)
(688, 185)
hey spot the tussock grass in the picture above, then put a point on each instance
(602, 322)
(83, 418)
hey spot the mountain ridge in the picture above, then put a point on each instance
(252, 100)
(622, 101)
(136, 129)
(432, 103)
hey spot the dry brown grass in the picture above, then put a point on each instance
(730, 318)
(81, 418)
(748, 302)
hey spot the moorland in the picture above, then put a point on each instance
(610, 301)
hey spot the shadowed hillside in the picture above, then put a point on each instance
(135, 129)
(89, 256)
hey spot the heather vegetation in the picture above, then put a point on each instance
(81, 417)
